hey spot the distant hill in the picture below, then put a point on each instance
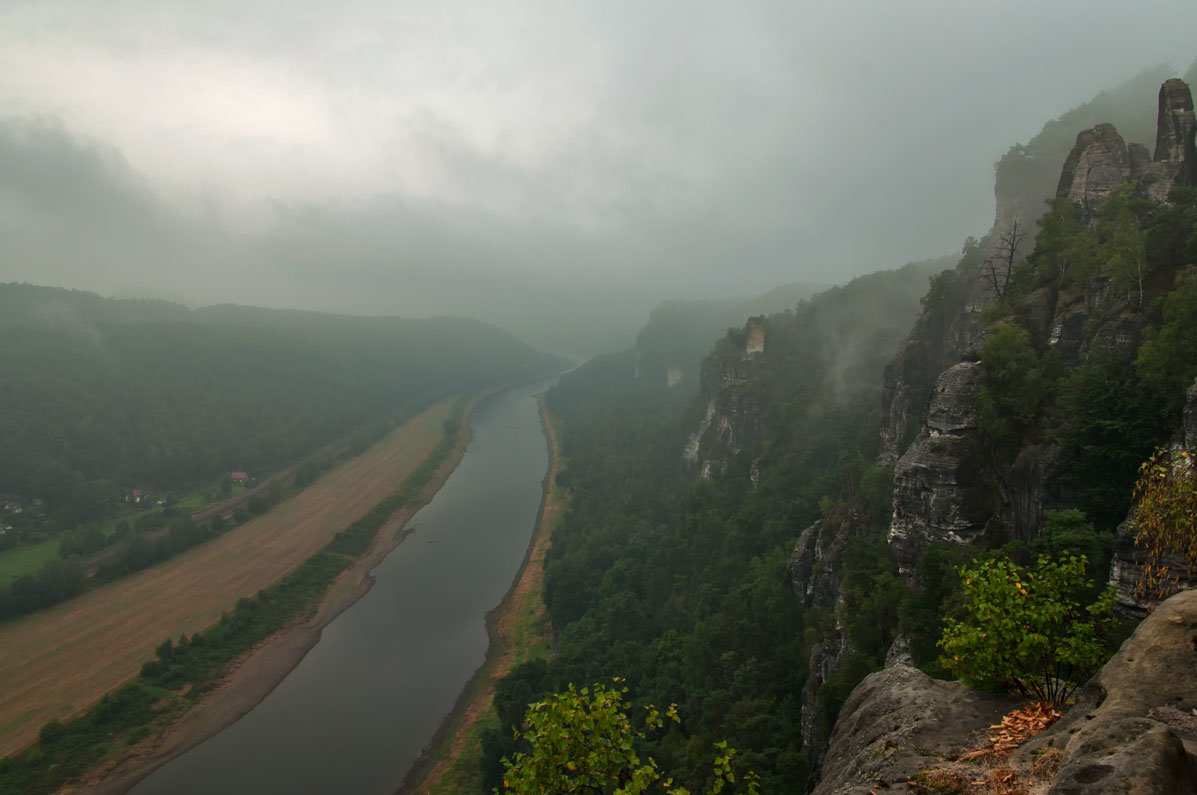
(101, 395)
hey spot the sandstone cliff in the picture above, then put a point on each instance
(1132, 729)
(947, 488)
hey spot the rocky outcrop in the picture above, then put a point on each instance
(899, 721)
(731, 384)
(939, 492)
(816, 570)
(1100, 160)
(1134, 726)
(947, 330)
(1176, 127)
(1098, 163)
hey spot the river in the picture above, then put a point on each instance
(355, 714)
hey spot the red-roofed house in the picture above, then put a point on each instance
(239, 477)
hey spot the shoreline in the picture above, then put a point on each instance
(448, 745)
(252, 678)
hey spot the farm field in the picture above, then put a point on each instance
(57, 663)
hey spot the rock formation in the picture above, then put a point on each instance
(899, 721)
(1133, 728)
(1100, 160)
(1098, 163)
(816, 567)
(939, 493)
(735, 408)
(947, 330)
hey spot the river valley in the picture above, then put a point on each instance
(358, 710)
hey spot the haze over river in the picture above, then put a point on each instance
(355, 714)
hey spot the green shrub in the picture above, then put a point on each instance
(1026, 631)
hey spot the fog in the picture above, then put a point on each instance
(557, 168)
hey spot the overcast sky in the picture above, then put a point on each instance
(459, 157)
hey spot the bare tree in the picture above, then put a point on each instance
(999, 265)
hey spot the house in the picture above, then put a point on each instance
(134, 496)
(239, 477)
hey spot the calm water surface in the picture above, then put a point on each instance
(355, 714)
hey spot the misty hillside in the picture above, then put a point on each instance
(102, 396)
(1028, 173)
(656, 578)
(753, 552)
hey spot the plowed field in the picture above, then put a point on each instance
(57, 663)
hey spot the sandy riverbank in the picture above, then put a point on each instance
(451, 747)
(258, 673)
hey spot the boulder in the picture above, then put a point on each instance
(899, 721)
(1134, 728)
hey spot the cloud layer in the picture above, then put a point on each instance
(463, 157)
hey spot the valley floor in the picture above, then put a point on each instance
(55, 664)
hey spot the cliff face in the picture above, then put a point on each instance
(948, 328)
(1101, 160)
(939, 491)
(1135, 722)
(735, 402)
(947, 489)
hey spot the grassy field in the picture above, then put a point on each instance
(55, 664)
(521, 632)
(24, 560)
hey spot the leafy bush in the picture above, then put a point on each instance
(584, 741)
(1165, 523)
(1026, 631)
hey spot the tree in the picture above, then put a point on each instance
(1026, 631)
(1008, 402)
(1065, 250)
(584, 741)
(1164, 519)
(1127, 244)
(999, 265)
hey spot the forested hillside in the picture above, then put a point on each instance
(844, 460)
(681, 588)
(100, 397)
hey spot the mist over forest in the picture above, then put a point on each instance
(613, 397)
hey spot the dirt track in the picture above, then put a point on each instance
(57, 663)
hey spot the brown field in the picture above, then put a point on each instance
(57, 663)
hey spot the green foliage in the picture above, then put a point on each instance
(1008, 401)
(1165, 523)
(1065, 252)
(682, 587)
(1110, 421)
(156, 396)
(1125, 240)
(584, 741)
(1025, 630)
(1071, 533)
(1166, 363)
(124, 716)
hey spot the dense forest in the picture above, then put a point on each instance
(101, 397)
(681, 587)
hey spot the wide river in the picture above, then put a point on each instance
(355, 714)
